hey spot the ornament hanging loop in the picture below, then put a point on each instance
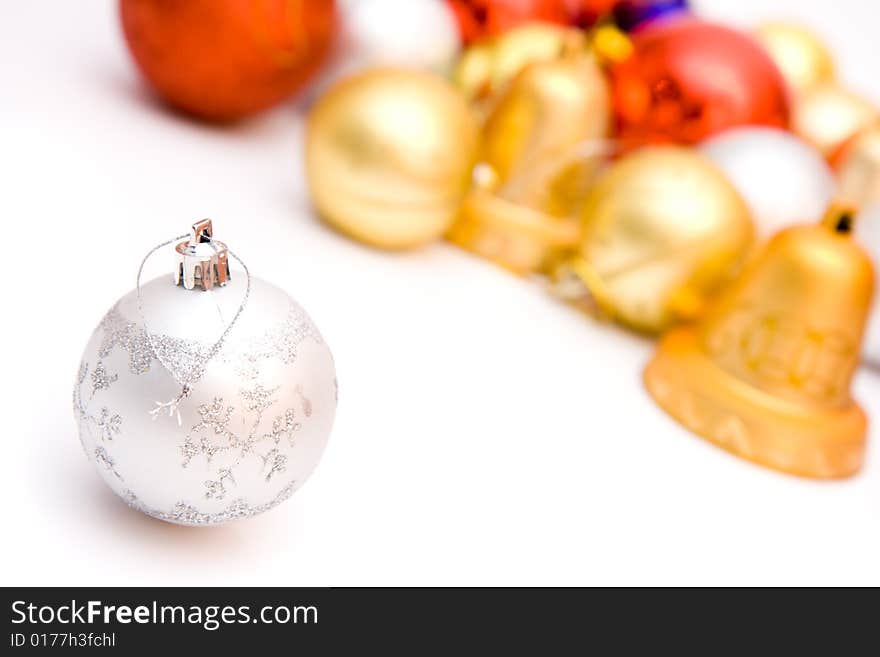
(204, 261)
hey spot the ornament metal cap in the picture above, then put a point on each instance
(766, 374)
(201, 260)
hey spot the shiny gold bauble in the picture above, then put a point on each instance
(858, 169)
(829, 115)
(536, 150)
(766, 375)
(804, 60)
(389, 155)
(663, 229)
(486, 68)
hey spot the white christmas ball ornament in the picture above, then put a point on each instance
(783, 180)
(868, 234)
(254, 418)
(413, 33)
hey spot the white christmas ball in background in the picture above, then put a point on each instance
(413, 33)
(254, 424)
(783, 180)
(868, 233)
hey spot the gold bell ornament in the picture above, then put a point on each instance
(803, 59)
(766, 374)
(828, 116)
(389, 156)
(662, 230)
(541, 147)
(485, 68)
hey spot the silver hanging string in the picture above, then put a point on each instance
(186, 384)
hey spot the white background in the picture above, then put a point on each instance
(486, 434)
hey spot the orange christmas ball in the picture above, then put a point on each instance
(688, 79)
(226, 59)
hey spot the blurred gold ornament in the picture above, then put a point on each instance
(389, 155)
(858, 169)
(486, 68)
(663, 229)
(513, 236)
(610, 44)
(541, 147)
(804, 60)
(829, 115)
(766, 375)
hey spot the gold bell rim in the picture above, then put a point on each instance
(750, 423)
(517, 237)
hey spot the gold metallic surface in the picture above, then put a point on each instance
(766, 375)
(513, 236)
(804, 60)
(389, 155)
(611, 44)
(663, 229)
(542, 145)
(486, 68)
(858, 169)
(829, 115)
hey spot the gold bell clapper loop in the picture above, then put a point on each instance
(541, 148)
(766, 374)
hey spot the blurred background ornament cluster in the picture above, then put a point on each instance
(645, 164)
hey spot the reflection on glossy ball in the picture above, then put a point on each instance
(663, 230)
(804, 60)
(829, 115)
(784, 180)
(389, 155)
(689, 79)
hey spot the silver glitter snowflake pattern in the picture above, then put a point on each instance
(185, 358)
(274, 461)
(101, 379)
(216, 488)
(109, 424)
(103, 458)
(213, 435)
(117, 332)
(106, 424)
(281, 341)
(184, 512)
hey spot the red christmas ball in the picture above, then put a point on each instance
(482, 18)
(586, 13)
(688, 79)
(226, 59)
